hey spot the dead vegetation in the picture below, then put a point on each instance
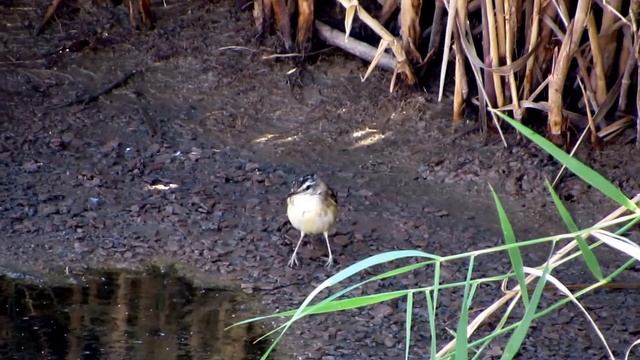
(575, 63)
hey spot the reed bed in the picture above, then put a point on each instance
(574, 63)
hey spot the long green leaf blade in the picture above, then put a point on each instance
(516, 339)
(462, 343)
(587, 254)
(433, 306)
(514, 252)
(584, 172)
(408, 324)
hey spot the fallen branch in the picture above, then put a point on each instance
(358, 48)
(93, 97)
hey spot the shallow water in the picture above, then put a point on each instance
(121, 315)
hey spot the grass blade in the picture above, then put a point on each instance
(584, 172)
(462, 343)
(560, 286)
(514, 252)
(342, 275)
(587, 254)
(408, 324)
(432, 310)
(515, 341)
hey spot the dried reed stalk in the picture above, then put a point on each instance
(598, 77)
(283, 22)
(628, 71)
(511, 28)
(410, 27)
(556, 121)
(494, 49)
(608, 33)
(305, 24)
(388, 8)
(461, 88)
(435, 38)
(387, 41)
(531, 40)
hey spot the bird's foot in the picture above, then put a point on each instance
(293, 261)
(329, 262)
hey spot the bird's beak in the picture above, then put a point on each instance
(293, 192)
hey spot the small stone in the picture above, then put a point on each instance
(364, 193)
(442, 213)
(389, 341)
(195, 154)
(94, 202)
(382, 310)
(47, 209)
(248, 288)
(251, 166)
(31, 166)
(341, 239)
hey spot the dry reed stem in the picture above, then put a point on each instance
(259, 14)
(501, 28)
(489, 85)
(305, 24)
(387, 40)
(627, 64)
(510, 49)
(451, 19)
(530, 19)
(556, 121)
(637, 48)
(410, 27)
(608, 33)
(515, 290)
(435, 37)
(582, 135)
(494, 50)
(388, 8)
(634, 11)
(48, 14)
(584, 73)
(613, 129)
(544, 54)
(484, 101)
(598, 80)
(283, 22)
(461, 87)
(628, 70)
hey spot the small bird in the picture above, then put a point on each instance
(312, 208)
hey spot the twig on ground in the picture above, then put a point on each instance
(353, 46)
(91, 98)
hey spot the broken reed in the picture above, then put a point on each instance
(534, 54)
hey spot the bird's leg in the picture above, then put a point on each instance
(294, 261)
(330, 260)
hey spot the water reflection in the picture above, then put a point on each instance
(120, 315)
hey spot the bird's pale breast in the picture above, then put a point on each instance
(308, 214)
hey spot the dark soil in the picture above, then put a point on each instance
(123, 149)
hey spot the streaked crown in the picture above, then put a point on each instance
(307, 184)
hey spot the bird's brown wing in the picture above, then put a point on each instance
(332, 195)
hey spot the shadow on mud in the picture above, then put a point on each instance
(121, 315)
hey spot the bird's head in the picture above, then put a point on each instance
(308, 184)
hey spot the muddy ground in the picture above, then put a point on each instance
(188, 159)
